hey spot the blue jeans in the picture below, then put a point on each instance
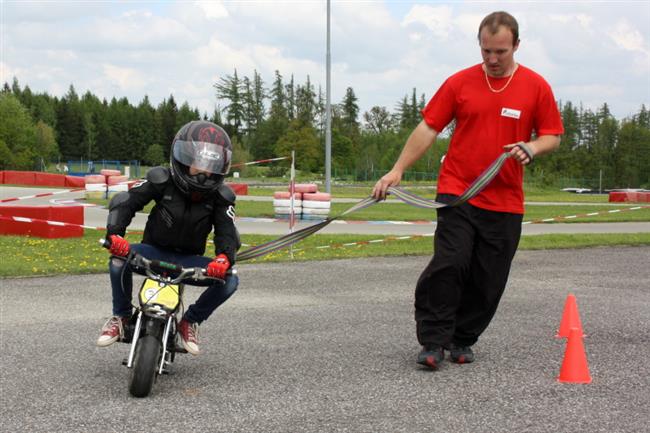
(122, 283)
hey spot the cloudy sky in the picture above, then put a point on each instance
(590, 51)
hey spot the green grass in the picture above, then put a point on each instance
(533, 194)
(25, 256)
(404, 212)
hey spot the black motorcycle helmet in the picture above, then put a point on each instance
(200, 157)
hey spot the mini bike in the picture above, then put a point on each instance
(152, 330)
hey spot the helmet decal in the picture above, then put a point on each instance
(211, 134)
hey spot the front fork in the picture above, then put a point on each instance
(165, 353)
(136, 336)
(134, 341)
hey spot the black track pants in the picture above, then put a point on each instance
(459, 291)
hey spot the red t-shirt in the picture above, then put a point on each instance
(485, 122)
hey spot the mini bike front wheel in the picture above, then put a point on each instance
(145, 362)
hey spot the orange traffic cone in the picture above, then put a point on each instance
(570, 318)
(574, 366)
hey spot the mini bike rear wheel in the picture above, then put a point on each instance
(145, 363)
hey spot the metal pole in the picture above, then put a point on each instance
(600, 182)
(328, 111)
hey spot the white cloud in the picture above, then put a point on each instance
(627, 37)
(438, 19)
(213, 9)
(125, 78)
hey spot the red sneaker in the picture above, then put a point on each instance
(112, 331)
(189, 333)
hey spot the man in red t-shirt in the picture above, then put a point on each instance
(497, 105)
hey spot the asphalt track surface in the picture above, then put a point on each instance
(330, 347)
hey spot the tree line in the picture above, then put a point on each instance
(270, 121)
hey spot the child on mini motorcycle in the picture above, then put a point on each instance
(191, 199)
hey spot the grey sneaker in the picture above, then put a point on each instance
(461, 354)
(431, 356)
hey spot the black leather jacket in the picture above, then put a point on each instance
(176, 222)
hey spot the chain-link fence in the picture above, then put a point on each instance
(83, 167)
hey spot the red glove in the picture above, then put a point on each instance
(217, 268)
(119, 246)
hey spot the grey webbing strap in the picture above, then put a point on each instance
(407, 197)
(527, 150)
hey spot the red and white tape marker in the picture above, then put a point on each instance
(45, 194)
(64, 191)
(261, 161)
(57, 223)
(584, 215)
(52, 223)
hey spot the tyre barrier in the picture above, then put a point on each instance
(315, 211)
(308, 202)
(95, 186)
(238, 188)
(286, 210)
(316, 205)
(108, 172)
(306, 187)
(115, 179)
(282, 204)
(116, 184)
(42, 229)
(287, 195)
(113, 190)
(285, 202)
(74, 181)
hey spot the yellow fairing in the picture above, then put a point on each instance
(153, 292)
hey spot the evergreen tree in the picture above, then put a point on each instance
(146, 130)
(104, 133)
(306, 104)
(275, 126)
(70, 126)
(166, 114)
(216, 117)
(254, 95)
(290, 99)
(90, 105)
(350, 113)
(643, 117)
(185, 115)
(229, 89)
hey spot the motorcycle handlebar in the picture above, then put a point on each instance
(152, 266)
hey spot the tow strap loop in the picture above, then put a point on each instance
(407, 197)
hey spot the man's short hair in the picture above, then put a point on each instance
(498, 19)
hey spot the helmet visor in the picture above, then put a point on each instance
(205, 157)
